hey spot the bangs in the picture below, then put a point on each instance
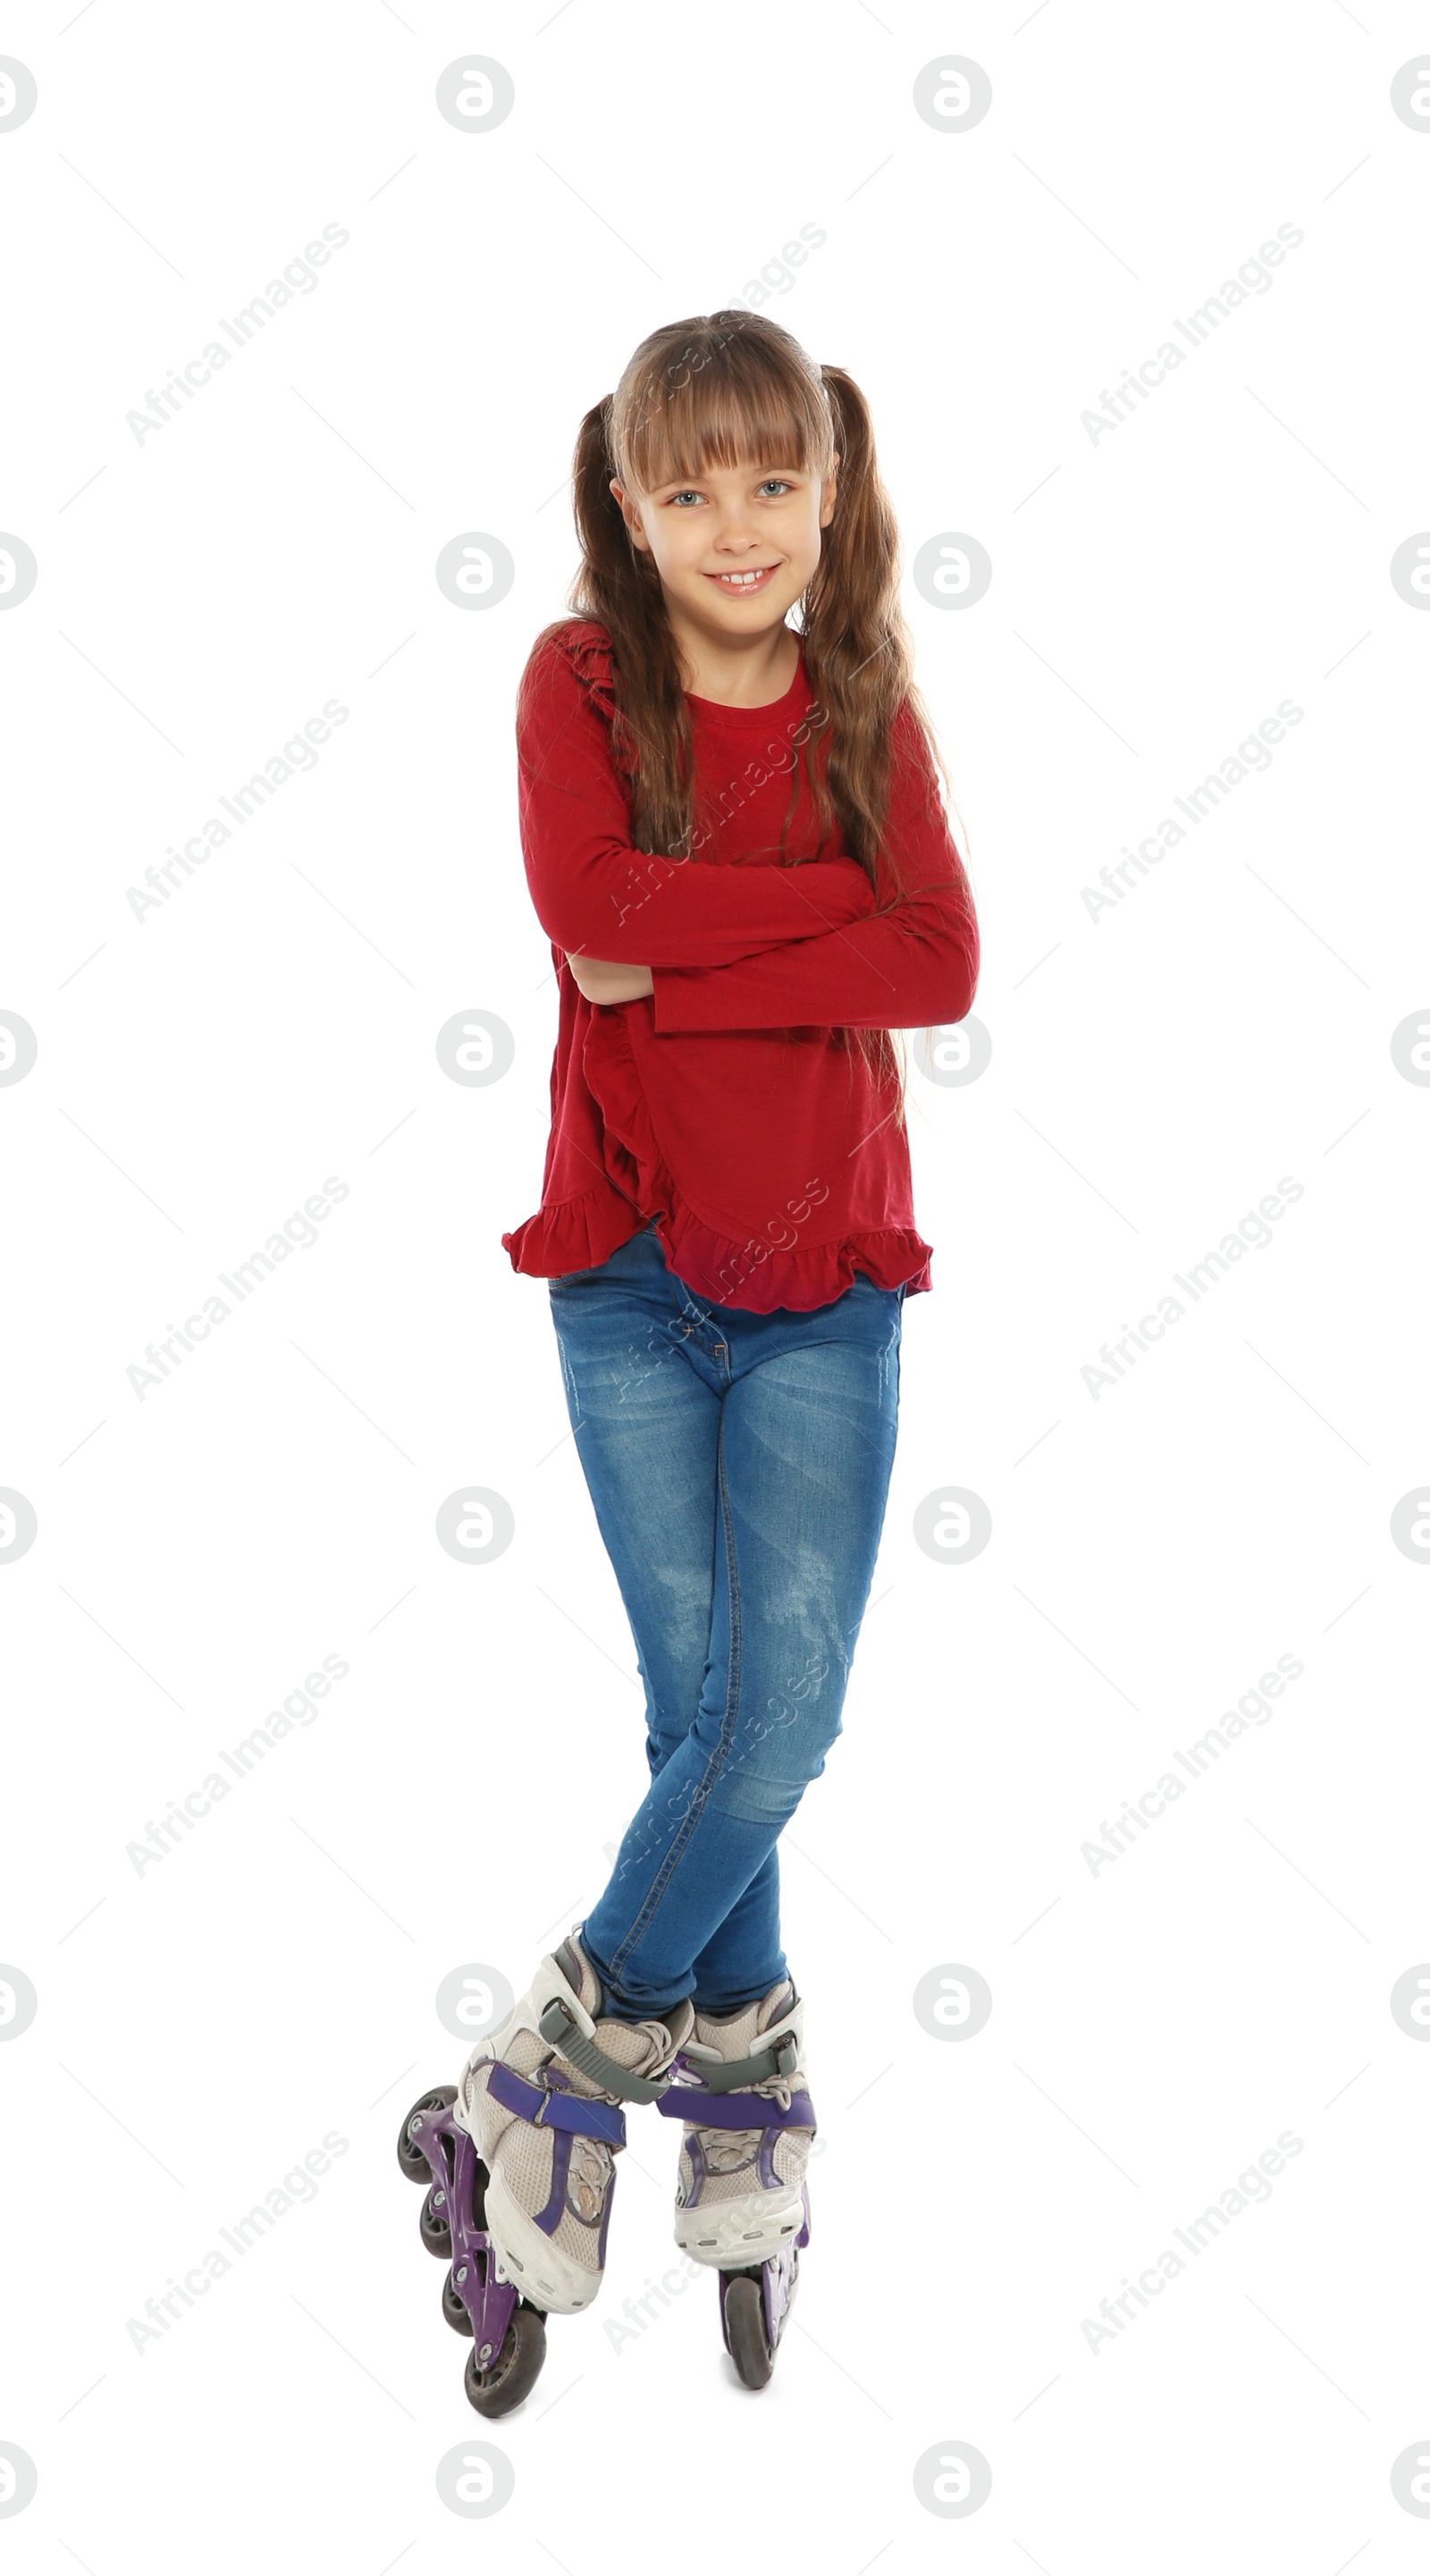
(711, 394)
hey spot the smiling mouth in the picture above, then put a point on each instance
(742, 584)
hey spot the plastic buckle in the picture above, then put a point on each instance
(566, 2021)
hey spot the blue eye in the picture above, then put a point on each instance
(775, 479)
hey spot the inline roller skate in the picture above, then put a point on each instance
(520, 2154)
(742, 2201)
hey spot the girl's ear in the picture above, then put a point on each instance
(631, 515)
(826, 499)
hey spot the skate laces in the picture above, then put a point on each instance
(771, 2090)
(776, 2088)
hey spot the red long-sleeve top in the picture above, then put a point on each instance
(724, 1105)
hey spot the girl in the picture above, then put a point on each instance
(734, 839)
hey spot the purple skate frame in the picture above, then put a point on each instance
(777, 2280)
(687, 2099)
(489, 2303)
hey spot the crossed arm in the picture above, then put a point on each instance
(912, 965)
(750, 946)
(601, 981)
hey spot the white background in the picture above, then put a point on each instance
(1154, 1073)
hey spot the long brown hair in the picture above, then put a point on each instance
(725, 389)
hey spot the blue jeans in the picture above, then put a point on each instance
(739, 1466)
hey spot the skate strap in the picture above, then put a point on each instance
(552, 2110)
(560, 2029)
(726, 2075)
(735, 2110)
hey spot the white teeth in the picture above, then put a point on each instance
(743, 580)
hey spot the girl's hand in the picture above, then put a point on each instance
(602, 982)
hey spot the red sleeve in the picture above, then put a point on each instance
(593, 892)
(912, 965)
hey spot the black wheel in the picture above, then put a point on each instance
(742, 2313)
(516, 2369)
(409, 2155)
(434, 2226)
(452, 2308)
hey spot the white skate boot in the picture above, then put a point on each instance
(541, 2099)
(742, 2202)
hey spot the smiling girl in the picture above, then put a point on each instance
(734, 839)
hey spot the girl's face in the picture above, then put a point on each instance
(735, 547)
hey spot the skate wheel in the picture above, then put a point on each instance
(517, 2367)
(434, 2225)
(742, 2314)
(452, 2308)
(409, 2155)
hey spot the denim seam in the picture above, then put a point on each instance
(728, 1723)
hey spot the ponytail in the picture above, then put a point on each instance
(856, 645)
(619, 588)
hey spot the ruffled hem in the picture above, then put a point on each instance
(755, 1277)
(572, 1234)
(580, 1234)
